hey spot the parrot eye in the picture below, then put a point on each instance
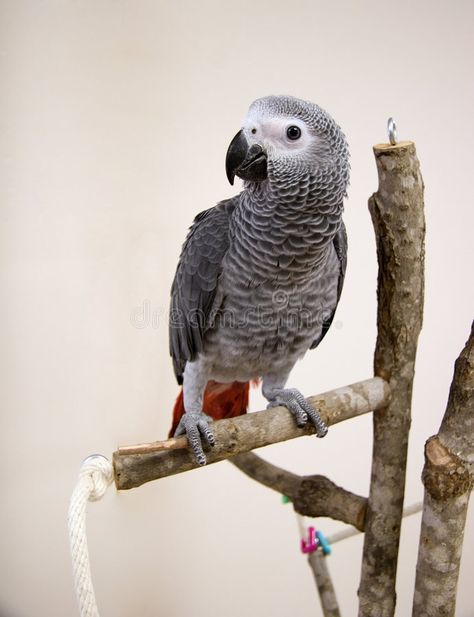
(254, 130)
(293, 132)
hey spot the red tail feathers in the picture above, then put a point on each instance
(221, 400)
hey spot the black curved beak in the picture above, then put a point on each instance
(246, 162)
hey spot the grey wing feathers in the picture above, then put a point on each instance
(340, 245)
(195, 282)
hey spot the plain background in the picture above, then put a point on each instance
(115, 119)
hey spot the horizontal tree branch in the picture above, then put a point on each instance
(274, 477)
(318, 496)
(237, 435)
(311, 495)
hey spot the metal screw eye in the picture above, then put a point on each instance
(392, 131)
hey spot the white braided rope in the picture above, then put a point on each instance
(95, 476)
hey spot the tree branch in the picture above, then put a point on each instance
(311, 495)
(318, 496)
(236, 435)
(327, 595)
(274, 477)
(398, 219)
(448, 477)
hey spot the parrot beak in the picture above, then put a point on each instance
(245, 161)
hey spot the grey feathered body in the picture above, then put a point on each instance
(260, 274)
(278, 285)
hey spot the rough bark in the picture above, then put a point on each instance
(311, 495)
(327, 595)
(448, 477)
(318, 496)
(398, 218)
(248, 432)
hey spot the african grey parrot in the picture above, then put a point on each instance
(260, 274)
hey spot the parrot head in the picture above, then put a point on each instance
(284, 140)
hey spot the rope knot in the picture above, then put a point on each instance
(99, 472)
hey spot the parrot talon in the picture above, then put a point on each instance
(196, 428)
(295, 402)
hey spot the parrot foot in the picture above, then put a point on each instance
(196, 428)
(296, 403)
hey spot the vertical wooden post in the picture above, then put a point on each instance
(448, 478)
(398, 218)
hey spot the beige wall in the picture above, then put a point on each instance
(115, 118)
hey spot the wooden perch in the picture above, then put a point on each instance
(448, 477)
(398, 219)
(236, 435)
(311, 495)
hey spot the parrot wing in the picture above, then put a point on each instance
(195, 282)
(340, 245)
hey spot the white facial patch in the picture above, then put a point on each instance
(271, 133)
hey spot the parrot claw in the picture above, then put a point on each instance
(196, 428)
(295, 402)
